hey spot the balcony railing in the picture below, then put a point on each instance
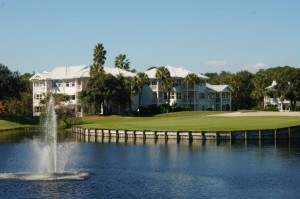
(191, 100)
(153, 87)
(218, 100)
(40, 89)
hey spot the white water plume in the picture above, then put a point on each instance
(49, 157)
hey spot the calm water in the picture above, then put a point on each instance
(159, 170)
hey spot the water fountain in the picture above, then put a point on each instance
(50, 158)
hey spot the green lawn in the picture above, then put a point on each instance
(18, 122)
(190, 121)
(178, 121)
(4, 124)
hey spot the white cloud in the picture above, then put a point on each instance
(216, 63)
(256, 67)
(260, 66)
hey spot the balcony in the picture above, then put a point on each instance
(191, 100)
(41, 89)
(153, 87)
(79, 87)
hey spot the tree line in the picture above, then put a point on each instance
(103, 89)
(15, 93)
(250, 89)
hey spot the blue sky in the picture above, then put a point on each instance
(199, 35)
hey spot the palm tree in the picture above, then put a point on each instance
(95, 84)
(122, 62)
(131, 89)
(99, 59)
(140, 80)
(191, 79)
(164, 75)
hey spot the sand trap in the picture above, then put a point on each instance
(260, 113)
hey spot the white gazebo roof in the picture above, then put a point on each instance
(272, 87)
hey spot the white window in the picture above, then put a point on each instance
(178, 82)
(39, 84)
(37, 109)
(172, 95)
(38, 96)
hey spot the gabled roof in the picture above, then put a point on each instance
(40, 76)
(118, 71)
(219, 88)
(71, 72)
(272, 87)
(174, 72)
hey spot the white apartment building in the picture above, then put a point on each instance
(181, 94)
(198, 97)
(219, 97)
(70, 80)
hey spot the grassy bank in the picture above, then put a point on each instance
(17, 122)
(190, 121)
(11, 125)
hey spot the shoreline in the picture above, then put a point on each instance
(288, 133)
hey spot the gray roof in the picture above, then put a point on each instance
(72, 72)
(219, 88)
(174, 72)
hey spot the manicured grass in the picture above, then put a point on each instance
(190, 121)
(4, 124)
(177, 121)
(18, 122)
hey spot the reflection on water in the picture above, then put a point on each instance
(138, 169)
(25, 135)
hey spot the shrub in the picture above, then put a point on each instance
(165, 108)
(181, 108)
(147, 111)
(271, 108)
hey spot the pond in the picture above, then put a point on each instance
(156, 170)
